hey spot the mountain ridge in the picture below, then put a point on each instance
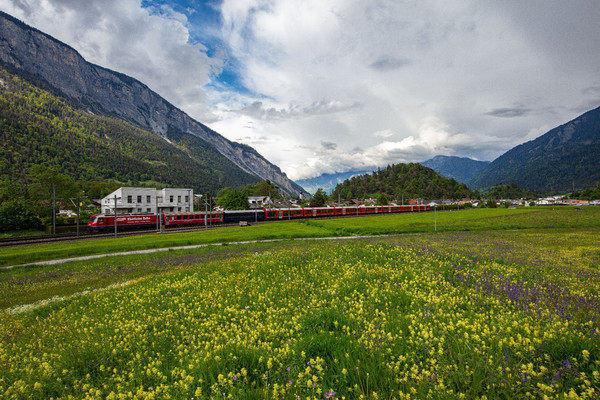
(462, 169)
(563, 159)
(38, 56)
(328, 182)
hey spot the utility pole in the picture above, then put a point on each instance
(78, 205)
(53, 210)
(115, 216)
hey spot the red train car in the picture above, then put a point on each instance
(273, 214)
(192, 219)
(102, 223)
(105, 223)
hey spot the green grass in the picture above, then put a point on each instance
(442, 315)
(21, 233)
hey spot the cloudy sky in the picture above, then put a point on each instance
(323, 86)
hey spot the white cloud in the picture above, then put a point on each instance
(345, 84)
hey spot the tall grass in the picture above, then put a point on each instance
(362, 319)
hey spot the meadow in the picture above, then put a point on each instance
(506, 307)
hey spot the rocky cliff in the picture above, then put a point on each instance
(56, 67)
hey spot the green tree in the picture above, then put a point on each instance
(44, 178)
(18, 216)
(10, 191)
(319, 199)
(491, 204)
(383, 199)
(223, 192)
(234, 200)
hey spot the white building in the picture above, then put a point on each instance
(256, 202)
(132, 200)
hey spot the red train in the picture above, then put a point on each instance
(99, 223)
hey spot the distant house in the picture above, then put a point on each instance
(257, 202)
(135, 200)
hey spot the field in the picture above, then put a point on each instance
(494, 304)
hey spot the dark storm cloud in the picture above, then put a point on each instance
(389, 63)
(509, 112)
(329, 145)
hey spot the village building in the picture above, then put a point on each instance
(136, 200)
(257, 202)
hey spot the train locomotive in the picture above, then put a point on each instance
(105, 223)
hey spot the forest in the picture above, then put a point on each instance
(402, 181)
(37, 128)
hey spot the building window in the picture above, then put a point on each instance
(139, 199)
(130, 199)
(170, 199)
(148, 199)
(187, 198)
(148, 210)
(179, 199)
(139, 210)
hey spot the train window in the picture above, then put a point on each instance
(100, 219)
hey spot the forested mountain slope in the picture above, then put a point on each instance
(39, 128)
(563, 159)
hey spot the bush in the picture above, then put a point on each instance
(18, 217)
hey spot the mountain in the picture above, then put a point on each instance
(328, 182)
(54, 66)
(564, 159)
(402, 181)
(41, 129)
(460, 168)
